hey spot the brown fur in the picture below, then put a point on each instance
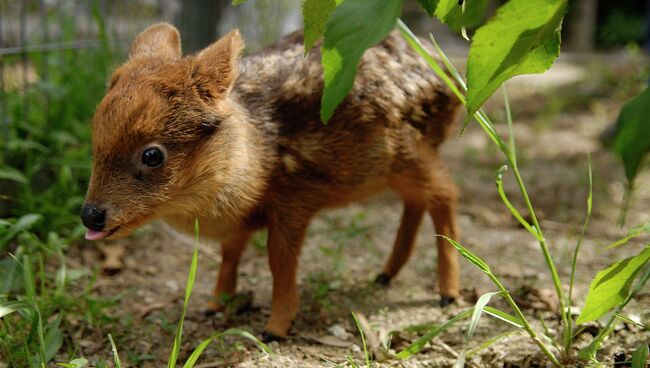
(247, 151)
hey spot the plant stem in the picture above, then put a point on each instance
(524, 321)
(485, 123)
(568, 329)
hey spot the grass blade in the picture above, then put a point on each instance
(14, 306)
(633, 233)
(196, 354)
(640, 356)
(116, 357)
(467, 254)
(415, 43)
(506, 317)
(418, 344)
(511, 208)
(478, 311)
(491, 341)
(75, 363)
(568, 328)
(173, 356)
(363, 339)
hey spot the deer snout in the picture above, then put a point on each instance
(93, 218)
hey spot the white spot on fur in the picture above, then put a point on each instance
(290, 163)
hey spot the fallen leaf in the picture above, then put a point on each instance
(372, 340)
(145, 309)
(327, 340)
(113, 258)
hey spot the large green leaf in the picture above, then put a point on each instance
(315, 14)
(523, 38)
(611, 286)
(633, 133)
(452, 14)
(354, 26)
(429, 6)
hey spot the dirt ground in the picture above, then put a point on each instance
(346, 248)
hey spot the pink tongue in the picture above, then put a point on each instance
(94, 235)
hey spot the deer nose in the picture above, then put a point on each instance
(93, 217)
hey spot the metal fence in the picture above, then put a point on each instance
(45, 29)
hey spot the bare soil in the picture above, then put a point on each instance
(346, 248)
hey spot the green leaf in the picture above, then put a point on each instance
(418, 344)
(23, 223)
(10, 307)
(523, 38)
(429, 6)
(238, 2)
(640, 356)
(588, 353)
(489, 342)
(633, 133)
(478, 311)
(53, 339)
(196, 354)
(473, 258)
(632, 233)
(452, 14)
(9, 173)
(315, 14)
(353, 27)
(76, 363)
(509, 318)
(611, 286)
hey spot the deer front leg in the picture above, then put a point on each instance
(231, 251)
(286, 234)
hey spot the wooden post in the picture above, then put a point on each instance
(581, 25)
(198, 23)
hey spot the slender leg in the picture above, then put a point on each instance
(404, 242)
(231, 251)
(442, 207)
(286, 234)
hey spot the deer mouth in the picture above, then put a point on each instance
(96, 235)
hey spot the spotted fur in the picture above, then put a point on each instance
(246, 149)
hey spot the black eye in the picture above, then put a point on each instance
(153, 157)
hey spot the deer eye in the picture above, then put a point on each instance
(153, 157)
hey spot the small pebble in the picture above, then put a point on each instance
(338, 331)
(355, 348)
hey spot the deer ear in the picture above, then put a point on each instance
(216, 66)
(160, 40)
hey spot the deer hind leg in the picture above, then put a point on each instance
(404, 242)
(442, 208)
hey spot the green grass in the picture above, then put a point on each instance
(44, 168)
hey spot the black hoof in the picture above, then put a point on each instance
(446, 300)
(208, 312)
(382, 279)
(270, 336)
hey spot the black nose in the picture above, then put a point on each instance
(93, 217)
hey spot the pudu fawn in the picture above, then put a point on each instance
(238, 144)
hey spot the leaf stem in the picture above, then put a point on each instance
(526, 326)
(487, 125)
